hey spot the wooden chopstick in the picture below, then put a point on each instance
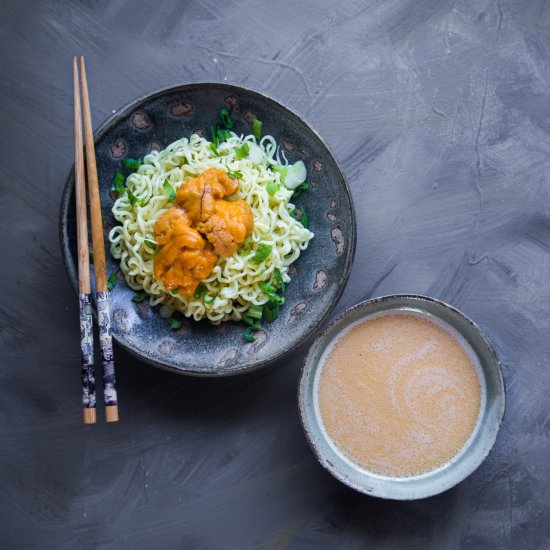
(102, 292)
(84, 289)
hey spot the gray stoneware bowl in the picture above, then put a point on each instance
(153, 122)
(451, 473)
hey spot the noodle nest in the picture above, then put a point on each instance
(235, 283)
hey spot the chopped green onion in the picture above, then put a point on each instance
(226, 119)
(119, 184)
(150, 244)
(137, 298)
(262, 252)
(278, 276)
(235, 175)
(131, 197)
(169, 190)
(271, 311)
(280, 169)
(247, 335)
(111, 281)
(215, 138)
(271, 293)
(295, 175)
(304, 218)
(223, 134)
(131, 164)
(175, 291)
(257, 126)
(254, 324)
(272, 187)
(208, 299)
(255, 312)
(300, 189)
(269, 290)
(242, 151)
(200, 291)
(175, 324)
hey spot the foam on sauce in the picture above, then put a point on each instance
(399, 395)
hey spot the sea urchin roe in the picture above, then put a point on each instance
(399, 395)
(185, 258)
(228, 226)
(200, 211)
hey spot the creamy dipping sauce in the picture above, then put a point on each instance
(398, 394)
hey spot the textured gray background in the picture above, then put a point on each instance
(439, 112)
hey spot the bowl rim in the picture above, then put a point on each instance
(409, 494)
(72, 270)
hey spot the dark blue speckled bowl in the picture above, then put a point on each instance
(320, 274)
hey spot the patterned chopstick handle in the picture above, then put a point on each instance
(87, 352)
(106, 344)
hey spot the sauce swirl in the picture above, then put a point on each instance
(398, 394)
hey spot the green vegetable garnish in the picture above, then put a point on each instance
(278, 276)
(200, 291)
(118, 184)
(255, 312)
(295, 175)
(208, 299)
(257, 126)
(219, 134)
(169, 190)
(223, 135)
(131, 197)
(262, 252)
(175, 324)
(175, 291)
(235, 175)
(131, 164)
(150, 244)
(304, 218)
(215, 139)
(271, 311)
(137, 298)
(254, 324)
(247, 335)
(272, 187)
(271, 293)
(226, 119)
(280, 169)
(242, 151)
(111, 281)
(300, 189)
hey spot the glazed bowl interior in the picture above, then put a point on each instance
(460, 466)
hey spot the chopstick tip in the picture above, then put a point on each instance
(111, 413)
(89, 416)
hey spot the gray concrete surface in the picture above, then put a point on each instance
(439, 112)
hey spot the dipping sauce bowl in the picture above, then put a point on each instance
(379, 407)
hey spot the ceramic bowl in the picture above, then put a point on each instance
(318, 276)
(442, 478)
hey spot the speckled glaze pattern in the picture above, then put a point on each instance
(459, 467)
(318, 276)
(87, 351)
(106, 345)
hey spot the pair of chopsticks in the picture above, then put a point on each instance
(84, 287)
